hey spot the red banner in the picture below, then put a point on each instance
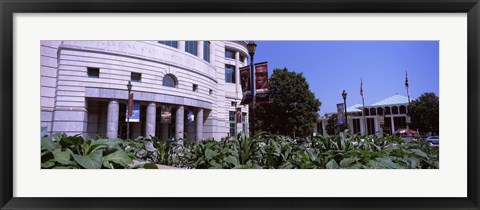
(245, 82)
(261, 77)
(245, 78)
(261, 84)
(239, 115)
(130, 104)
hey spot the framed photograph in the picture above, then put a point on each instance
(347, 114)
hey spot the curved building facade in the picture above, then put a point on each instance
(182, 89)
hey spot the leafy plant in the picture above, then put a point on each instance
(343, 151)
(61, 151)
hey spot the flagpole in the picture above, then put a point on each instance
(364, 119)
(408, 95)
(363, 106)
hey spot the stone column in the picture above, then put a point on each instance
(181, 45)
(350, 124)
(151, 118)
(237, 74)
(247, 126)
(112, 119)
(179, 124)
(393, 124)
(200, 49)
(212, 52)
(362, 126)
(199, 122)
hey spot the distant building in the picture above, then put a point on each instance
(385, 116)
(183, 89)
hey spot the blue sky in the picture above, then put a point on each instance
(332, 66)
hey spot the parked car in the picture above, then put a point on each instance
(408, 135)
(433, 140)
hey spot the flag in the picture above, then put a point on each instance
(361, 87)
(406, 83)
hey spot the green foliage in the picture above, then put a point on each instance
(60, 151)
(343, 151)
(424, 113)
(294, 108)
(265, 151)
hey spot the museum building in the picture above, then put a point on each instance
(383, 117)
(182, 89)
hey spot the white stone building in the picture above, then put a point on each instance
(385, 116)
(84, 87)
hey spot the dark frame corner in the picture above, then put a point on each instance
(9, 7)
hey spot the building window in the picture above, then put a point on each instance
(387, 110)
(233, 123)
(93, 72)
(229, 54)
(356, 126)
(403, 110)
(366, 112)
(206, 51)
(194, 87)
(173, 44)
(229, 74)
(191, 47)
(233, 103)
(169, 81)
(244, 122)
(135, 77)
(380, 111)
(394, 110)
(210, 92)
(370, 126)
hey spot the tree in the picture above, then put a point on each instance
(294, 108)
(424, 113)
(331, 125)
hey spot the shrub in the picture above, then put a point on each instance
(266, 151)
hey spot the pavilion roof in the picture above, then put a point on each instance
(395, 99)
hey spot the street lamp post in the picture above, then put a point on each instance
(251, 46)
(344, 96)
(129, 87)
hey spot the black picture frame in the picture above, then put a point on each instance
(10, 7)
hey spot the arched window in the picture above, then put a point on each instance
(366, 112)
(403, 110)
(387, 110)
(169, 81)
(373, 111)
(395, 110)
(380, 111)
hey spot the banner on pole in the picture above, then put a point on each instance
(130, 104)
(261, 77)
(261, 85)
(133, 109)
(166, 116)
(239, 115)
(341, 114)
(245, 82)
